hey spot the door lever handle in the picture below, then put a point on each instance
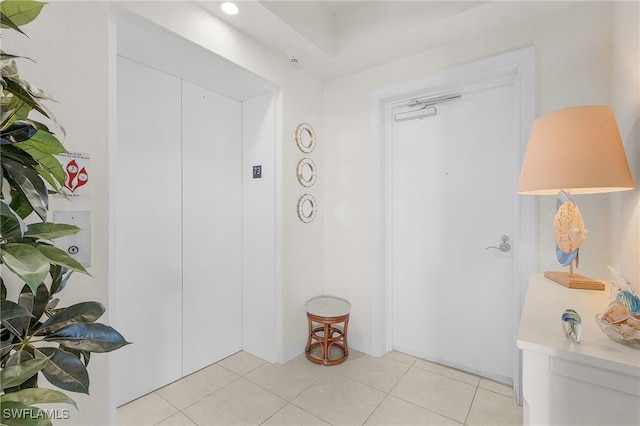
(504, 246)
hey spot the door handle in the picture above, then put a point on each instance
(504, 246)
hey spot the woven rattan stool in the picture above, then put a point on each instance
(326, 313)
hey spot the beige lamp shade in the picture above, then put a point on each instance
(575, 149)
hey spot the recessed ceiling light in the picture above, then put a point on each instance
(229, 8)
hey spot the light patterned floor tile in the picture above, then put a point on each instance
(287, 381)
(241, 363)
(446, 371)
(490, 408)
(291, 415)
(500, 388)
(147, 410)
(239, 403)
(177, 419)
(421, 393)
(399, 356)
(196, 386)
(396, 412)
(340, 400)
(435, 392)
(380, 373)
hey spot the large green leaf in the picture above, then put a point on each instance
(35, 303)
(36, 92)
(12, 153)
(88, 337)
(5, 56)
(64, 370)
(20, 204)
(21, 12)
(30, 184)
(15, 414)
(6, 346)
(84, 312)
(38, 95)
(60, 257)
(59, 278)
(39, 396)
(8, 23)
(26, 261)
(50, 231)
(6, 114)
(18, 131)
(16, 87)
(52, 173)
(40, 145)
(31, 96)
(10, 310)
(15, 109)
(11, 224)
(84, 356)
(9, 69)
(41, 148)
(18, 357)
(44, 142)
(17, 374)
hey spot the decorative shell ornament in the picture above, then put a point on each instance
(568, 228)
(620, 320)
(626, 293)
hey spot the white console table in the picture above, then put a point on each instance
(594, 382)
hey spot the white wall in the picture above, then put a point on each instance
(69, 44)
(572, 68)
(259, 212)
(625, 99)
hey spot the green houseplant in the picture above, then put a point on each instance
(37, 337)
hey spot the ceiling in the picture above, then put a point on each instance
(332, 39)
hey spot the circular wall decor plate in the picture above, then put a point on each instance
(305, 138)
(306, 172)
(307, 208)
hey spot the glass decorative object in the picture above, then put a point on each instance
(620, 320)
(572, 325)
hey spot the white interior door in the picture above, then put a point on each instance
(453, 195)
(148, 230)
(212, 226)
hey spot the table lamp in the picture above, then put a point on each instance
(574, 151)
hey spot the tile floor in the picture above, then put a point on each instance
(393, 390)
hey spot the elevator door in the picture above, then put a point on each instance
(453, 195)
(178, 228)
(211, 226)
(148, 242)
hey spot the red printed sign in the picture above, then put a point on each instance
(76, 167)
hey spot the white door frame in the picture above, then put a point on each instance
(521, 65)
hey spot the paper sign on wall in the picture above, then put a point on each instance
(77, 246)
(76, 168)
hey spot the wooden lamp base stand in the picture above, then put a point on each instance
(571, 280)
